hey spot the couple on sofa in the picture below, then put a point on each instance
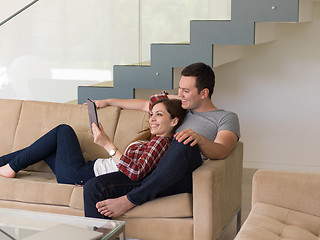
(115, 185)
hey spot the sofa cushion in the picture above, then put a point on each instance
(179, 205)
(35, 192)
(10, 114)
(50, 115)
(268, 222)
(288, 189)
(130, 125)
(40, 188)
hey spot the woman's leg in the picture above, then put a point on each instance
(61, 150)
(41, 149)
(107, 186)
(68, 162)
(5, 169)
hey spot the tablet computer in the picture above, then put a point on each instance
(92, 110)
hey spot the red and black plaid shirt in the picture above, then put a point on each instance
(141, 158)
(155, 98)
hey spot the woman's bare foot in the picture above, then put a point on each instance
(6, 171)
(114, 207)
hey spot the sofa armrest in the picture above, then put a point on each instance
(217, 189)
(293, 190)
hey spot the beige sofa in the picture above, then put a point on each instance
(203, 215)
(285, 205)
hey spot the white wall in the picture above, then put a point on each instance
(276, 92)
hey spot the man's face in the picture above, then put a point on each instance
(188, 93)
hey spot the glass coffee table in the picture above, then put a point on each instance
(29, 225)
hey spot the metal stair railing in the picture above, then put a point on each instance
(18, 12)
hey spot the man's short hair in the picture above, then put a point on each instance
(205, 77)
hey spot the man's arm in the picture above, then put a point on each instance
(220, 148)
(136, 104)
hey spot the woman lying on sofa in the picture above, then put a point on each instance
(60, 149)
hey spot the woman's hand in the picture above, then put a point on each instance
(99, 136)
(102, 139)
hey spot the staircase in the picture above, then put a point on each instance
(252, 22)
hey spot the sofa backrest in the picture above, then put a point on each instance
(9, 117)
(292, 190)
(131, 125)
(32, 119)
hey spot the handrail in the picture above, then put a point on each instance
(18, 12)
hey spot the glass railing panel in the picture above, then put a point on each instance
(57, 45)
(168, 21)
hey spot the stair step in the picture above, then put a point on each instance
(223, 54)
(305, 10)
(265, 32)
(212, 42)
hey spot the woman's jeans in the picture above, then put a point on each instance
(60, 149)
(173, 175)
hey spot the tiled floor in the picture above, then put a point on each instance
(246, 203)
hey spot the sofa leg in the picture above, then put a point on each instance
(238, 220)
(238, 213)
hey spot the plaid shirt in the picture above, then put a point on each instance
(141, 158)
(155, 98)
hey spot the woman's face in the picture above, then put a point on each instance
(160, 121)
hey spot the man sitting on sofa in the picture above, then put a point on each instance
(206, 128)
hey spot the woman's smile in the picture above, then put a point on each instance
(160, 122)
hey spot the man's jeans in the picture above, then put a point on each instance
(173, 175)
(61, 150)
